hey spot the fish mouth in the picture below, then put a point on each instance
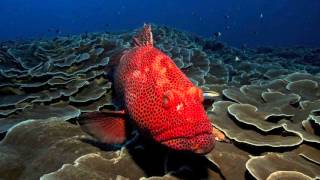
(202, 143)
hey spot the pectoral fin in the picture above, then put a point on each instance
(108, 127)
(219, 136)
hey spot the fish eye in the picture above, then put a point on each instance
(168, 99)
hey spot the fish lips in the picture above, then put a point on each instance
(200, 144)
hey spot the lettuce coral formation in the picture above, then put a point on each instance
(268, 107)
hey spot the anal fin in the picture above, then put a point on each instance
(108, 127)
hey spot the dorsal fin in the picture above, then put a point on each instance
(143, 37)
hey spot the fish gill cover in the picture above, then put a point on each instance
(266, 100)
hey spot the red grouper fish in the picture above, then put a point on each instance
(158, 97)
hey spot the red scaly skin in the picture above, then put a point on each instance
(162, 101)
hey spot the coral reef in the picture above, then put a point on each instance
(267, 104)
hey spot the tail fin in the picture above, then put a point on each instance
(143, 37)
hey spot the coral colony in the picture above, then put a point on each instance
(266, 103)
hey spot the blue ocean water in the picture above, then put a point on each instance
(250, 22)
